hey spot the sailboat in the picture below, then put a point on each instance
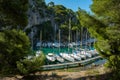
(86, 51)
(94, 52)
(87, 54)
(38, 53)
(78, 53)
(75, 56)
(51, 57)
(39, 44)
(67, 57)
(60, 59)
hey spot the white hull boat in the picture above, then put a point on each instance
(38, 53)
(93, 52)
(87, 54)
(75, 56)
(83, 56)
(51, 57)
(96, 52)
(67, 57)
(60, 59)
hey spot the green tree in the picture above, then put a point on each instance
(27, 66)
(104, 26)
(14, 46)
(14, 12)
(60, 11)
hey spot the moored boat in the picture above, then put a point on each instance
(75, 56)
(51, 57)
(60, 59)
(67, 57)
(83, 56)
(87, 54)
(38, 53)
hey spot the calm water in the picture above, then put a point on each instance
(55, 50)
(97, 62)
(58, 50)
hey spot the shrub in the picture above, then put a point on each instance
(27, 66)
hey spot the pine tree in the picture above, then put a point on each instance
(104, 25)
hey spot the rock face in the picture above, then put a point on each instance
(38, 13)
(34, 17)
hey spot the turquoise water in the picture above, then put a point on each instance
(64, 49)
(55, 50)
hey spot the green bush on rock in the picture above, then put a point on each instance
(32, 65)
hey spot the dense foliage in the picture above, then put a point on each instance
(13, 13)
(14, 45)
(104, 26)
(27, 66)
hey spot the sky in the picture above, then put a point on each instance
(73, 4)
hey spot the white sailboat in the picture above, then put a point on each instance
(67, 57)
(95, 52)
(39, 44)
(92, 52)
(60, 59)
(51, 57)
(78, 53)
(75, 56)
(87, 54)
(38, 53)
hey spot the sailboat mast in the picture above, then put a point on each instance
(86, 40)
(32, 40)
(69, 34)
(81, 38)
(55, 33)
(89, 43)
(59, 40)
(40, 38)
(76, 38)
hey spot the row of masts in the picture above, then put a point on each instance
(69, 37)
